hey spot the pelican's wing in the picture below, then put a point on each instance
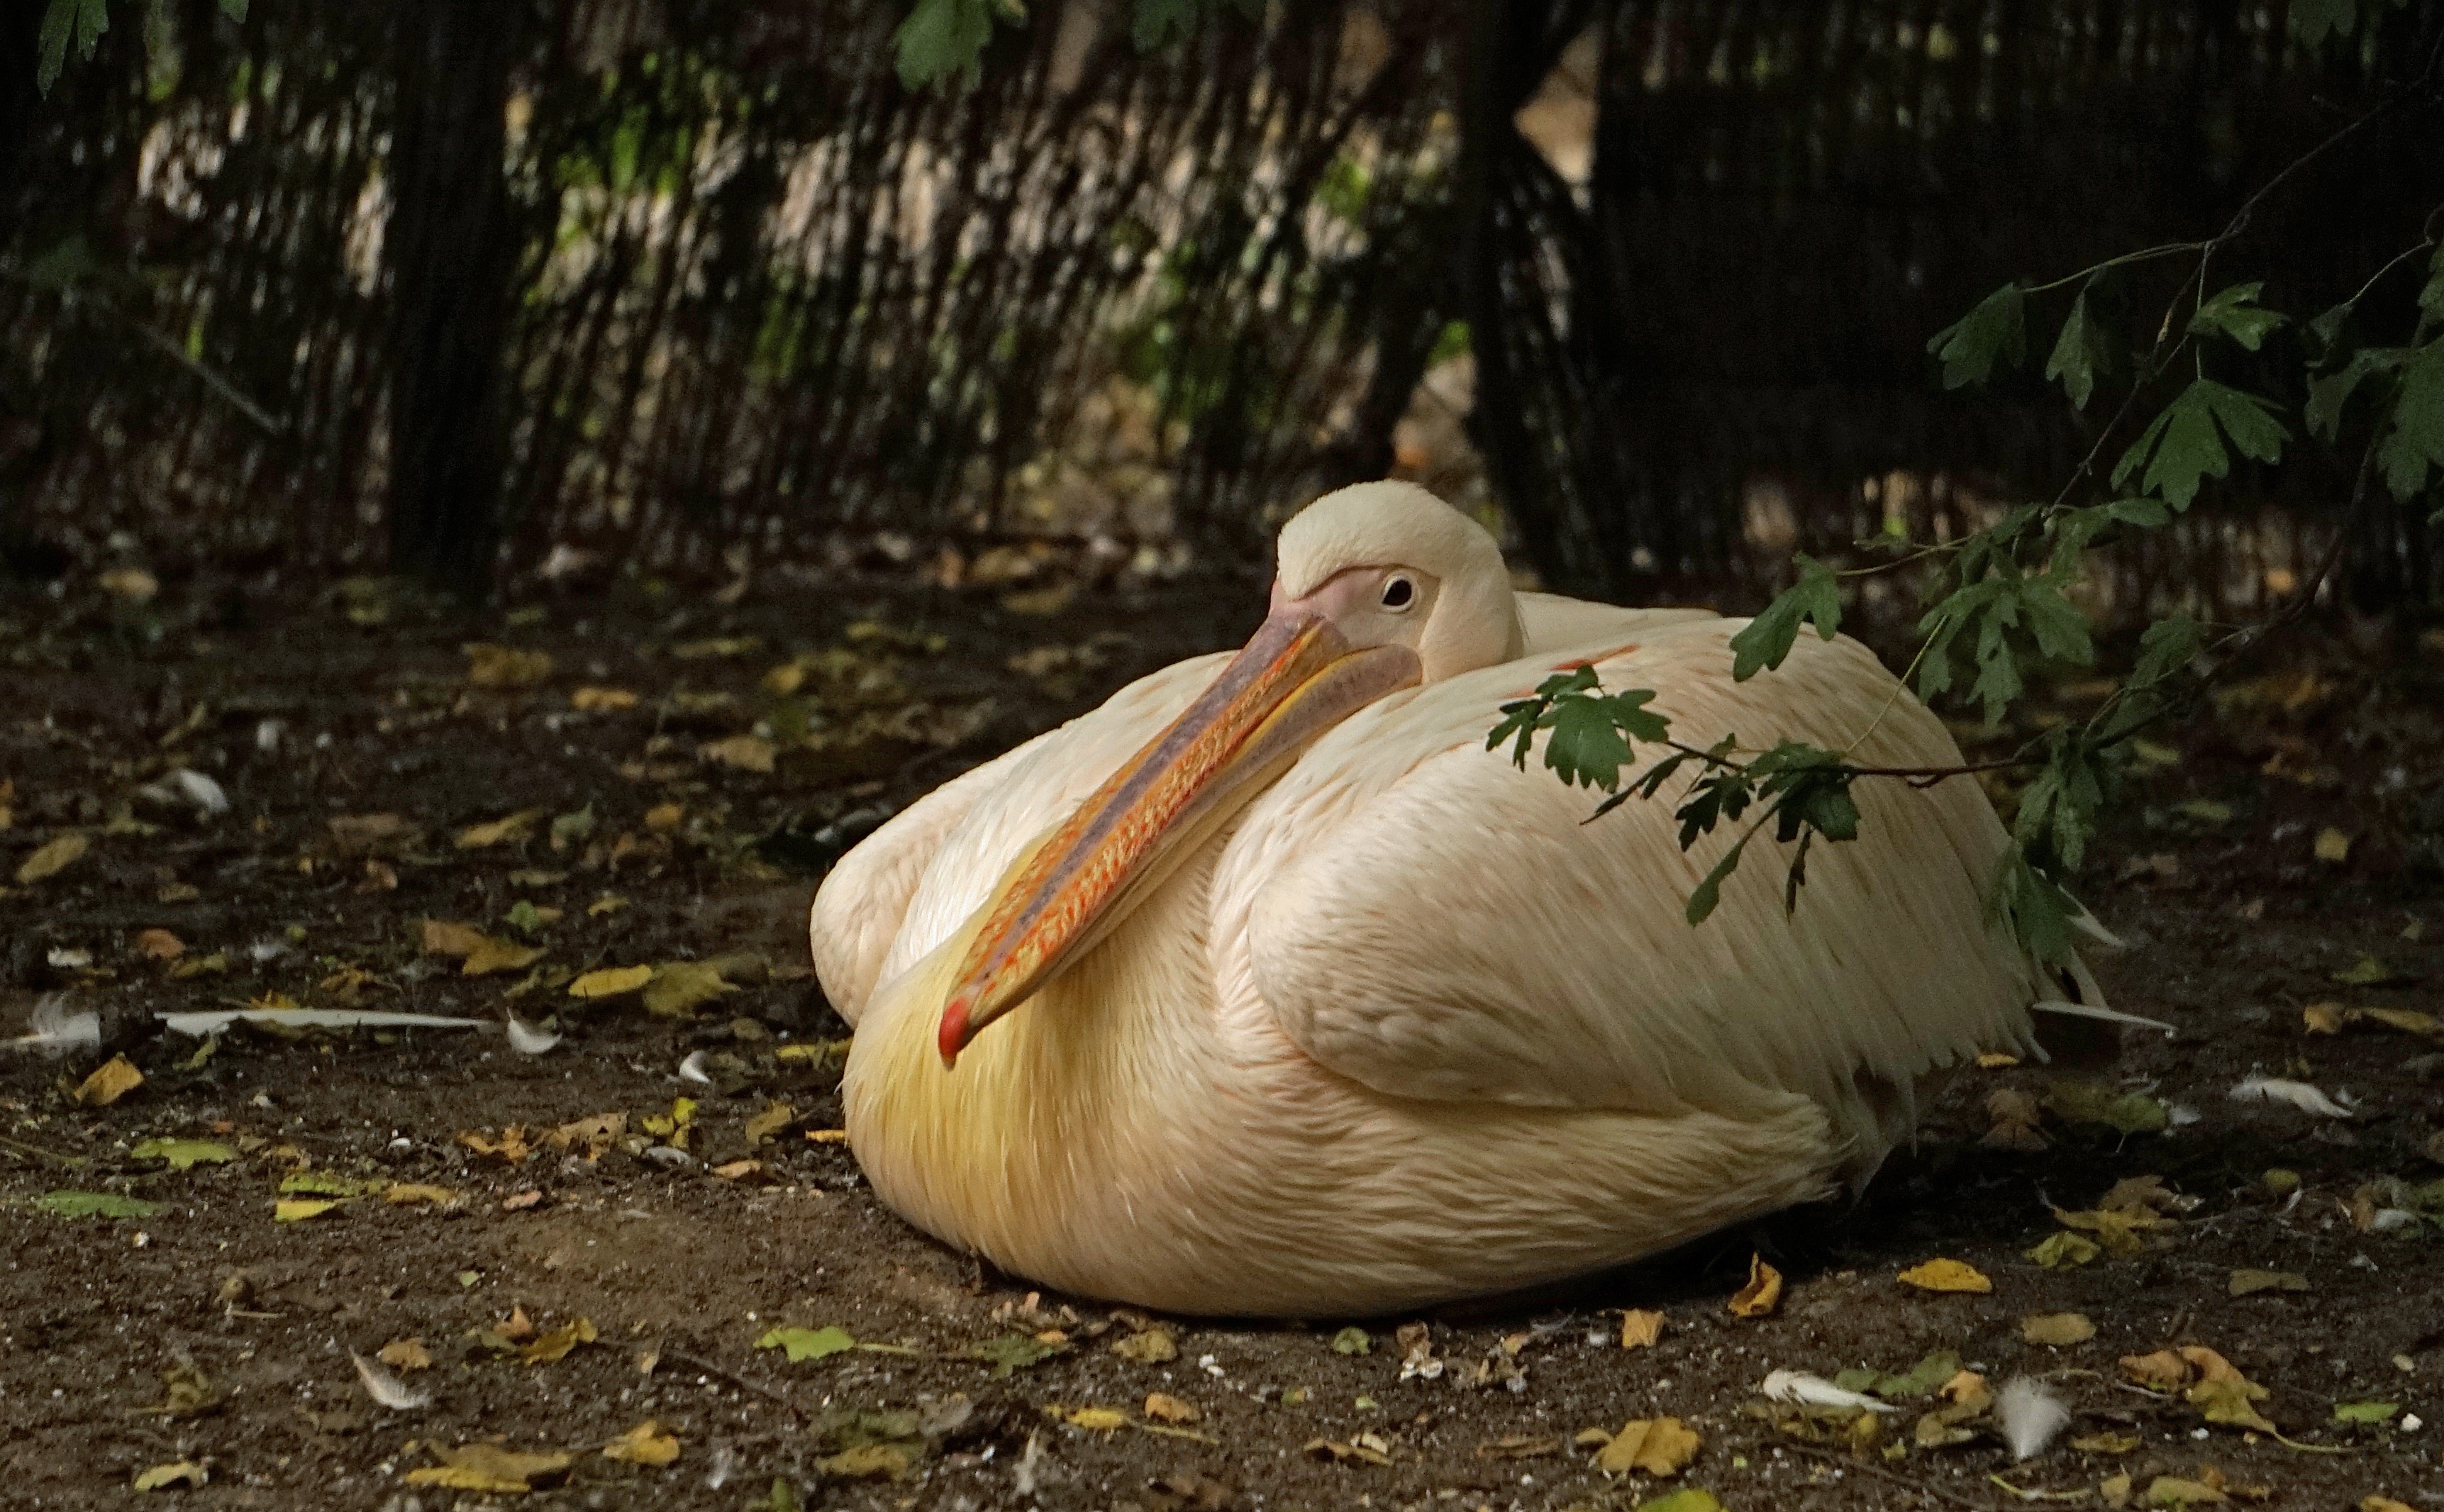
(1550, 622)
(904, 888)
(1426, 919)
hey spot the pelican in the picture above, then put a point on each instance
(1266, 989)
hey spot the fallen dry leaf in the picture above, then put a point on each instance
(405, 1193)
(556, 1344)
(2333, 846)
(1097, 1419)
(160, 945)
(679, 987)
(489, 666)
(645, 1444)
(1659, 1446)
(111, 1080)
(2244, 1283)
(749, 753)
(1640, 1328)
(297, 1209)
(179, 1472)
(867, 1461)
(406, 1354)
(663, 817)
(588, 1137)
(1762, 1294)
(511, 1145)
(508, 827)
(494, 955)
(1152, 1346)
(359, 834)
(610, 981)
(1946, 1276)
(737, 1170)
(1164, 1408)
(52, 859)
(2179, 1491)
(2056, 1329)
(444, 937)
(603, 700)
(489, 1468)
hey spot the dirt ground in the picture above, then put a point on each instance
(549, 1278)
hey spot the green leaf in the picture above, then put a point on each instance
(95, 1205)
(2185, 444)
(1997, 329)
(1585, 747)
(1352, 1340)
(802, 1344)
(1816, 599)
(1710, 892)
(2037, 913)
(68, 262)
(1013, 1352)
(2329, 395)
(942, 37)
(2065, 1249)
(2164, 648)
(2414, 441)
(2312, 20)
(1688, 1499)
(2234, 312)
(82, 22)
(2083, 349)
(184, 1154)
(2365, 1411)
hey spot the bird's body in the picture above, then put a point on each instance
(1401, 1026)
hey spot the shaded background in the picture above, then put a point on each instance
(481, 291)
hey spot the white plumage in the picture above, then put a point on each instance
(1403, 1027)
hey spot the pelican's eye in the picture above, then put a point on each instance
(1399, 593)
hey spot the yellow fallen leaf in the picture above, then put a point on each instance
(751, 753)
(679, 987)
(1660, 1446)
(557, 1343)
(491, 666)
(160, 945)
(664, 817)
(2333, 846)
(2383, 1504)
(737, 1170)
(443, 938)
(610, 981)
(603, 700)
(2160, 1371)
(2323, 1018)
(508, 827)
(111, 1080)
(405, 1192)
(2057, 1329)
(867, 1461)
(1946, 1276)
(1996, 1060)
(496, 954)
(297, 1209)
(2245, 1282)
(1097, 1419)
(1639, 1329)
(1152, 1346)
(510, 1146)
(645, 1444)
(53, 858)
(607, 904)
(775, 1117)
(180, 1472)
(1762, 1294)
(588, 1137)
(2179, 1491)
(135, 585)
(827, 1136)
(1164, 1408)
(406, 1355)
(488, 1467)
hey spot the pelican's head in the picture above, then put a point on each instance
(1378, 587)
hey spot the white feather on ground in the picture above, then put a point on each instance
(1815, 1391)
(527, 1039)
(52, 1030)
(2030, 1416)
(2298, 1093)
(387, 1389)
(692, 1069)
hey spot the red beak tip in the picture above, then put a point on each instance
(953, 1035)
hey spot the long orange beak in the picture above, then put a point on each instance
(1294, 680)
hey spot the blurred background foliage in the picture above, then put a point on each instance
(477, 291)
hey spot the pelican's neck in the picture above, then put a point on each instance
(1047, 1104)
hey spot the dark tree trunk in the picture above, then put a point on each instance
(450, 255)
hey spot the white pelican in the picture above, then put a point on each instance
(1266, 988)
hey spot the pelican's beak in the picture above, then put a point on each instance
(1294, 680)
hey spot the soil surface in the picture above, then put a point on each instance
(554, 1249)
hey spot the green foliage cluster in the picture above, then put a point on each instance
(941, 38)
(1998, 607)
(80, 24)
